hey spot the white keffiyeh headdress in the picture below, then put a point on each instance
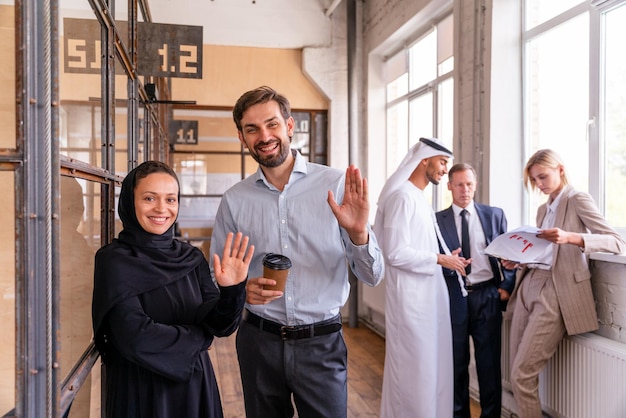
(425, 148)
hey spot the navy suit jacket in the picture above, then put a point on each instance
(494, 223)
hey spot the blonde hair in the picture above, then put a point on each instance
(544, 158)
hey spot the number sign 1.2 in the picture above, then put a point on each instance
(169, 50)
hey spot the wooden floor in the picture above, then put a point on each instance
(366, 353)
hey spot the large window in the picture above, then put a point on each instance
(419, 94)
(611, 119)
(575, 84)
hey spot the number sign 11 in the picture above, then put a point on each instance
(183, 132)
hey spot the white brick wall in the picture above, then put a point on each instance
(609, 288)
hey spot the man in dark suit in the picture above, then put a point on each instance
(488, 285)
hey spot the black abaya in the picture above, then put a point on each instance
(157, 362)
(156, 310)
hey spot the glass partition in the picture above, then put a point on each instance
(7, 228)
(207, 165)
(203, 179)
(7, 297)
(79, 240)
(80, 87)
(7, 76)
(80, 129)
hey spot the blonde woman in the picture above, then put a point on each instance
(554, 298)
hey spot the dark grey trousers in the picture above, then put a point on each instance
(311, 370)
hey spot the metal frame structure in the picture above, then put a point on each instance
(37, 162)
(37, 223)
(37, 165)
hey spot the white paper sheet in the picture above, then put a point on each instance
(520, 245)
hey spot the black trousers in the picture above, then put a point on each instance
(311, 370)
(483, 323)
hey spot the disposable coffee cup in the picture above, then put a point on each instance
(276, 267)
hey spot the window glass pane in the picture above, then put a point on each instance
(423, 61)
(7, 296)
(216, 130)
(207, 173)
(395, 66)
(420, 118)
(117, 226)
(80, 127)
(430, 60)
(80, 134)
(7, 76)
(445, 132)
(445, 39)
(80, 121)
(80, 230)
(615, 122)
(121, 162)
(398, 87)
(302, 132)
(446, 66)
(539, 11)
(396, 76)
(320, 140)
(445, 112)
(121, 10)
(397, 135)
(196, 216)
(120, 125)
(558, 96)
(203, 174)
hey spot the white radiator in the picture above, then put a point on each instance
(374, 297)
(586, 378)
(373, 313)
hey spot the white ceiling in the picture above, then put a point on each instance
(253, 23)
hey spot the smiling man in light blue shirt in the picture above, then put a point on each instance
(290, 343)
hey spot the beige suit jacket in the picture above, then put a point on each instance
(577, 212)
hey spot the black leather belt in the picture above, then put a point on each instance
(292, 332)
(472, 287)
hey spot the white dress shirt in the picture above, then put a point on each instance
(481, 269)
(545, 259)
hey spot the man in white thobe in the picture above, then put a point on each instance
(418, 379)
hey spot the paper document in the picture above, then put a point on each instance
(520, 245)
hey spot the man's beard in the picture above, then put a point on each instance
(273, 161)
(432, 179)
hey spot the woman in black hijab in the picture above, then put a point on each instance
(156, 308)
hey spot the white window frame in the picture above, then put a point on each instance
(429, 87)
(596, 145)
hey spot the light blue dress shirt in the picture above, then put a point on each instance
(298, 223)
